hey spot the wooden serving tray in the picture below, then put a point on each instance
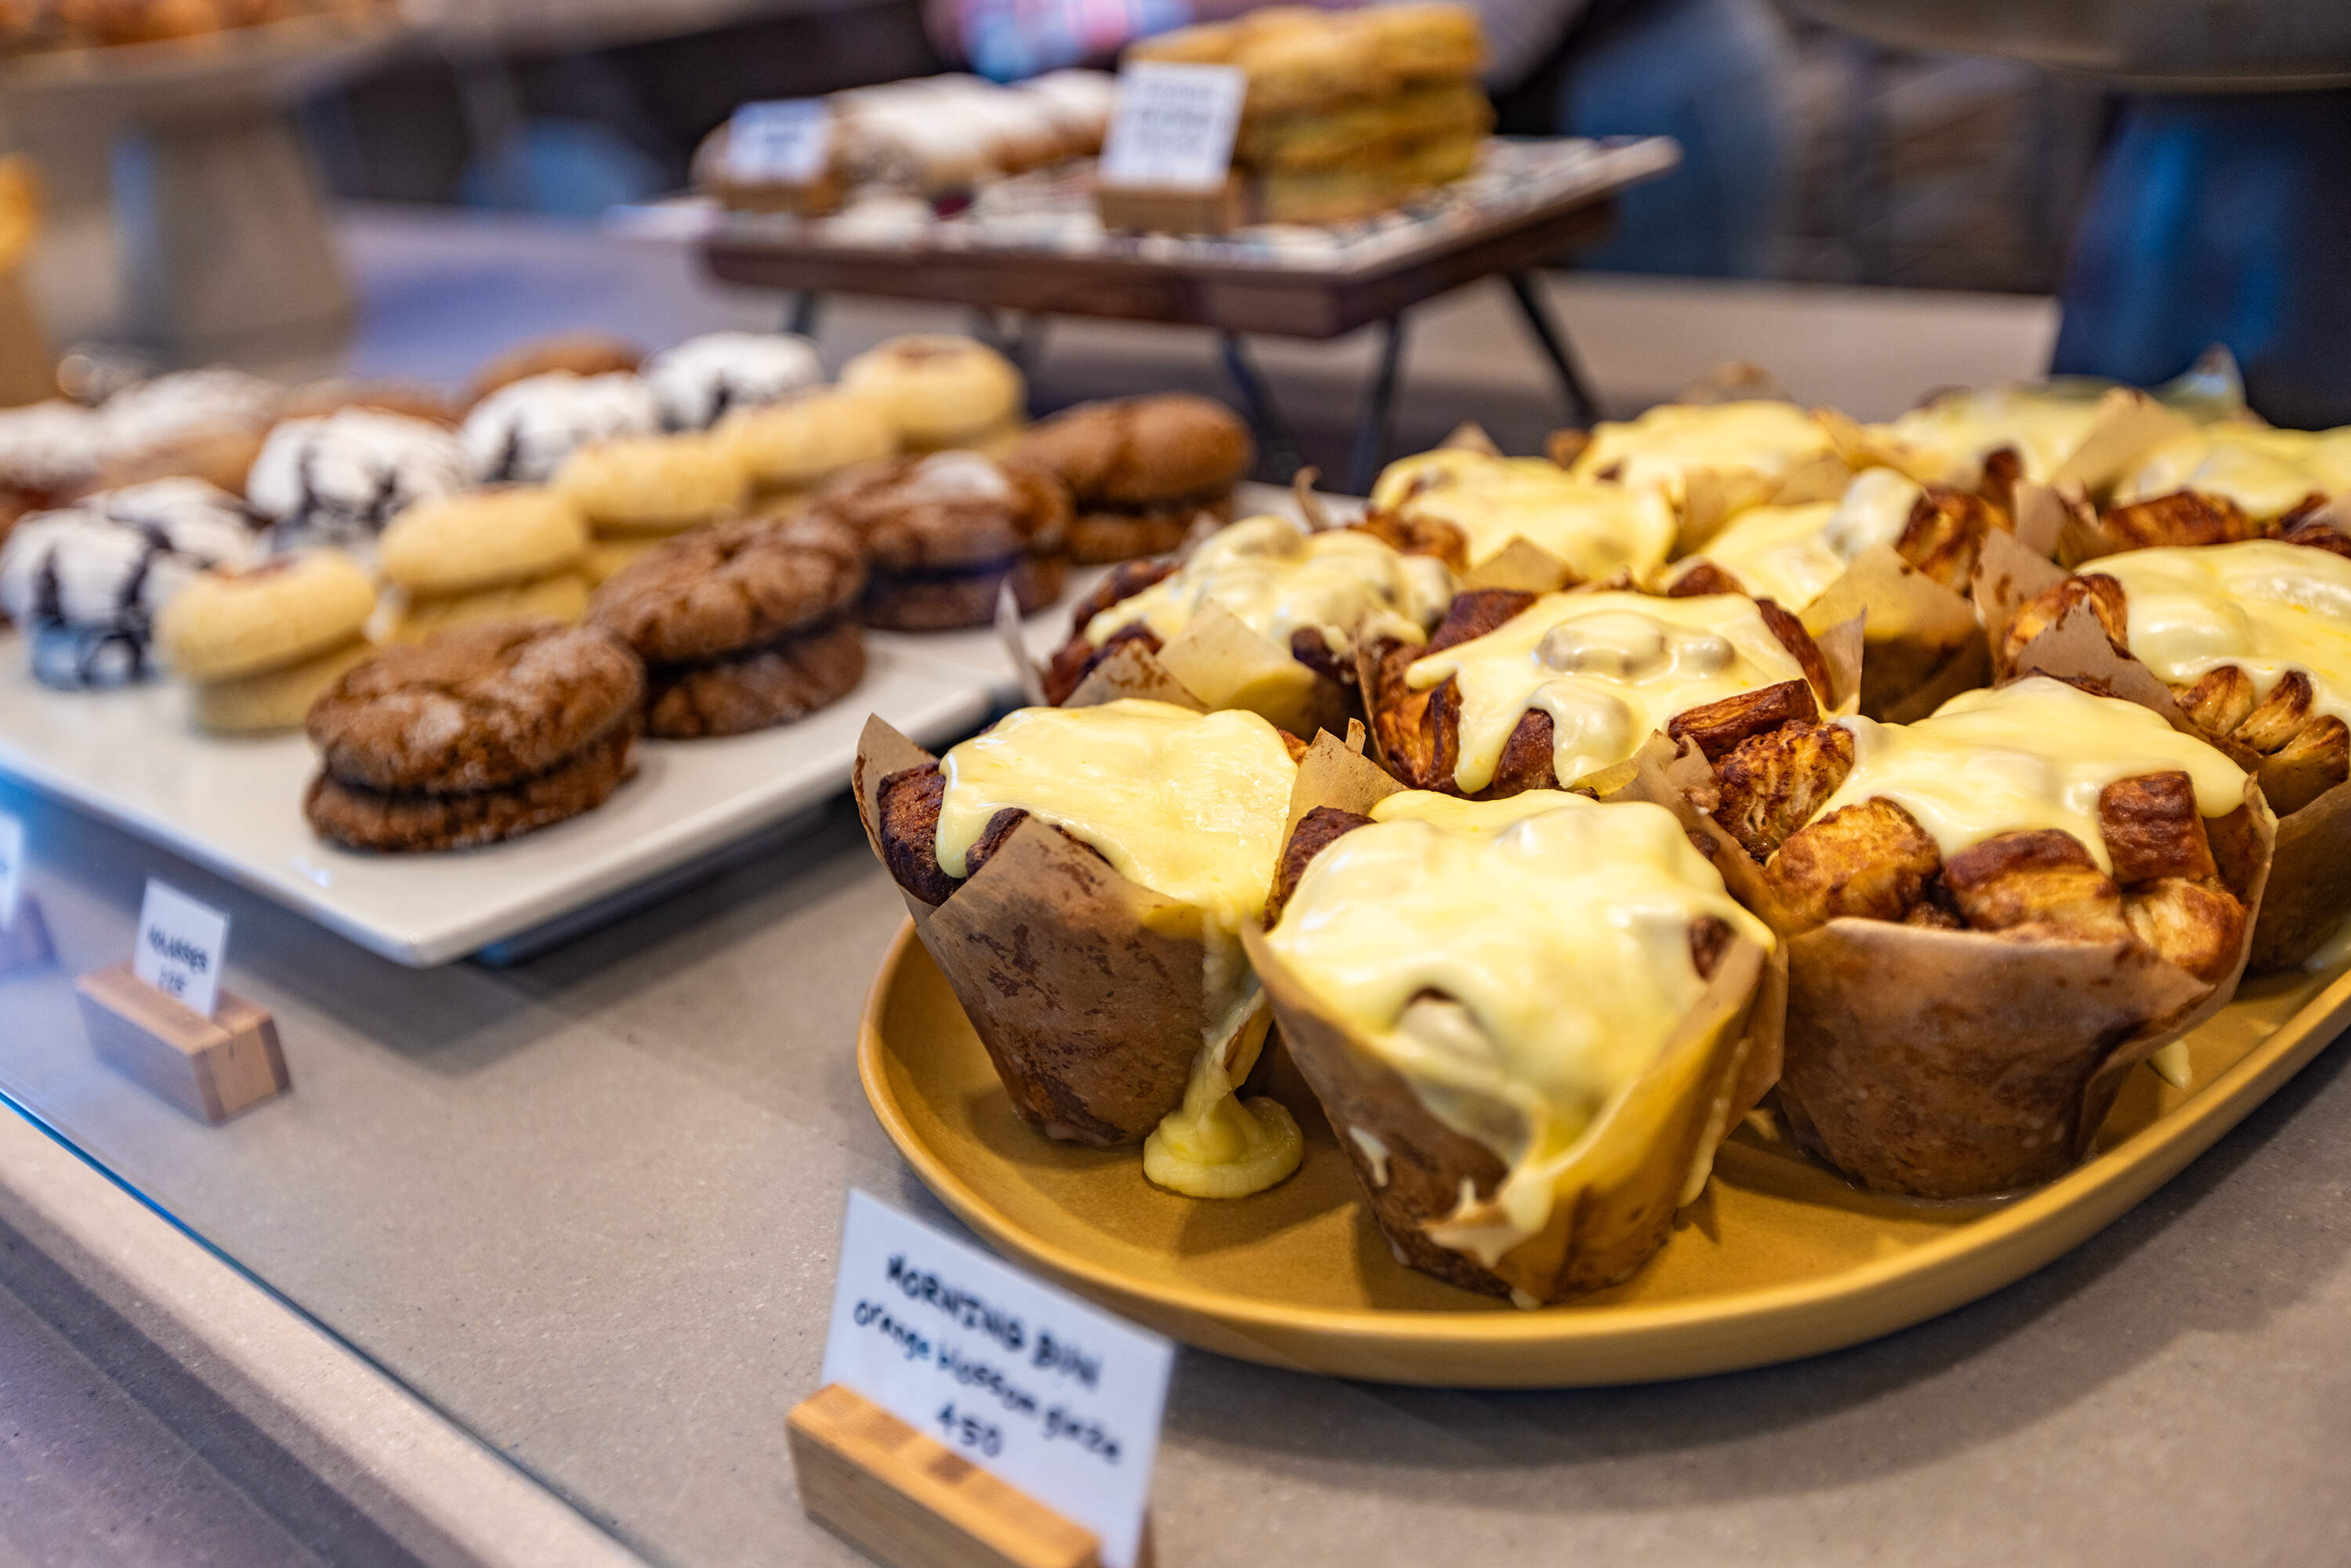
(1778, 1259)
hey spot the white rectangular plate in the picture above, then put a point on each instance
(132, 757)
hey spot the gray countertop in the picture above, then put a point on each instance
(589, 1208)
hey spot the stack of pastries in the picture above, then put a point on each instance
(1905, 787)
(1347, 113)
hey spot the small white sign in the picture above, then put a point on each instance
(182, 946)
(786, 142)
(1174, 126)
(11, 868)
(1044, 1392)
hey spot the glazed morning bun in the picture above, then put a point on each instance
(1129, 842)
(1991, 914)
(1467, 508)
(1525, 1020)
(1310, 596)
(1518, 692)
(1739, 454)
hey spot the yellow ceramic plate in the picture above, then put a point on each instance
(1777, 1260)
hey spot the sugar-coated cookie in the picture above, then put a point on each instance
(702, 380)
(791, 445)
(482, 538)
(1143, 451)
(475, 709)
(520, 432)
(560, 597)
(174, 406)
(941, 533)
(338, 479)
(415, 821)
(653, 484)
(234, 622)
(275, 698)
(50, 449)
(938, 389)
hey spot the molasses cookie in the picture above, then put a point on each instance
(337, 479)
(940, 391)
(522, 430)
(943, 532)
(479, 735)
(703, 379)
(1141, 470)
(743, 625)
(572, 353)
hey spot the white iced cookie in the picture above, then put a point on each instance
(521, 431)
(50, 447)
(702, 380)
(339, 479)
(187, 402)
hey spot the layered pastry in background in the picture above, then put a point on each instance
(699, 382)
(523, 430)
(337, 479)
(1530, 1022)
(581, 353)
(639, 490)
(1987, 438)
(1129, 842)
(1790, 554)
(85, 581)
(926, 136)
(258, 645)
(788, 447)
(1517, 691)
(941, 391)
(943, 534)
(1990, 915)
(1141, 472)
(1347, 112)
(2265, 475)
(741, 626)
(1262, 615)
(35, 26)
(1468, 508)
(481, 733)
(498, 554)
(2252, 640)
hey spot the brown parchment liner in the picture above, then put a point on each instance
(2308, 896)
(1646, 1154)
(1954, 1063)
(1088, 990)
(1922, 643)
(1219, 661)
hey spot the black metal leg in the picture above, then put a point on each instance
(806, 305)
(1275, 440)
(1375, 428)
(1583, 408)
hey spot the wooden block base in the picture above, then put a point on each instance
(211, 1067)
(25, 944)
(915, 1503)
(1146, 210)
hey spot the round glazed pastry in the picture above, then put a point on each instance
(86, 582)
(741, 625)
(339, 479)
(697, 383)
(524, 428)
(791, 445)
(572, 353)
(653, 484)
(939, 390)
(481, 539)
(1141, 470)
(943, 532)
(479, 735)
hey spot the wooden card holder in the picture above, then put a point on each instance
(1142, 209)
(912, 1502)
(211, 1067)
(25, 944)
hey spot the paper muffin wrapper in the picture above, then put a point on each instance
(2308, 896)
(1219, 662)
(1089, 992)
(1921, 644)
(1955, 1064)
(1614, 1195)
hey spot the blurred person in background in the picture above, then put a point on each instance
(1715, 75)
